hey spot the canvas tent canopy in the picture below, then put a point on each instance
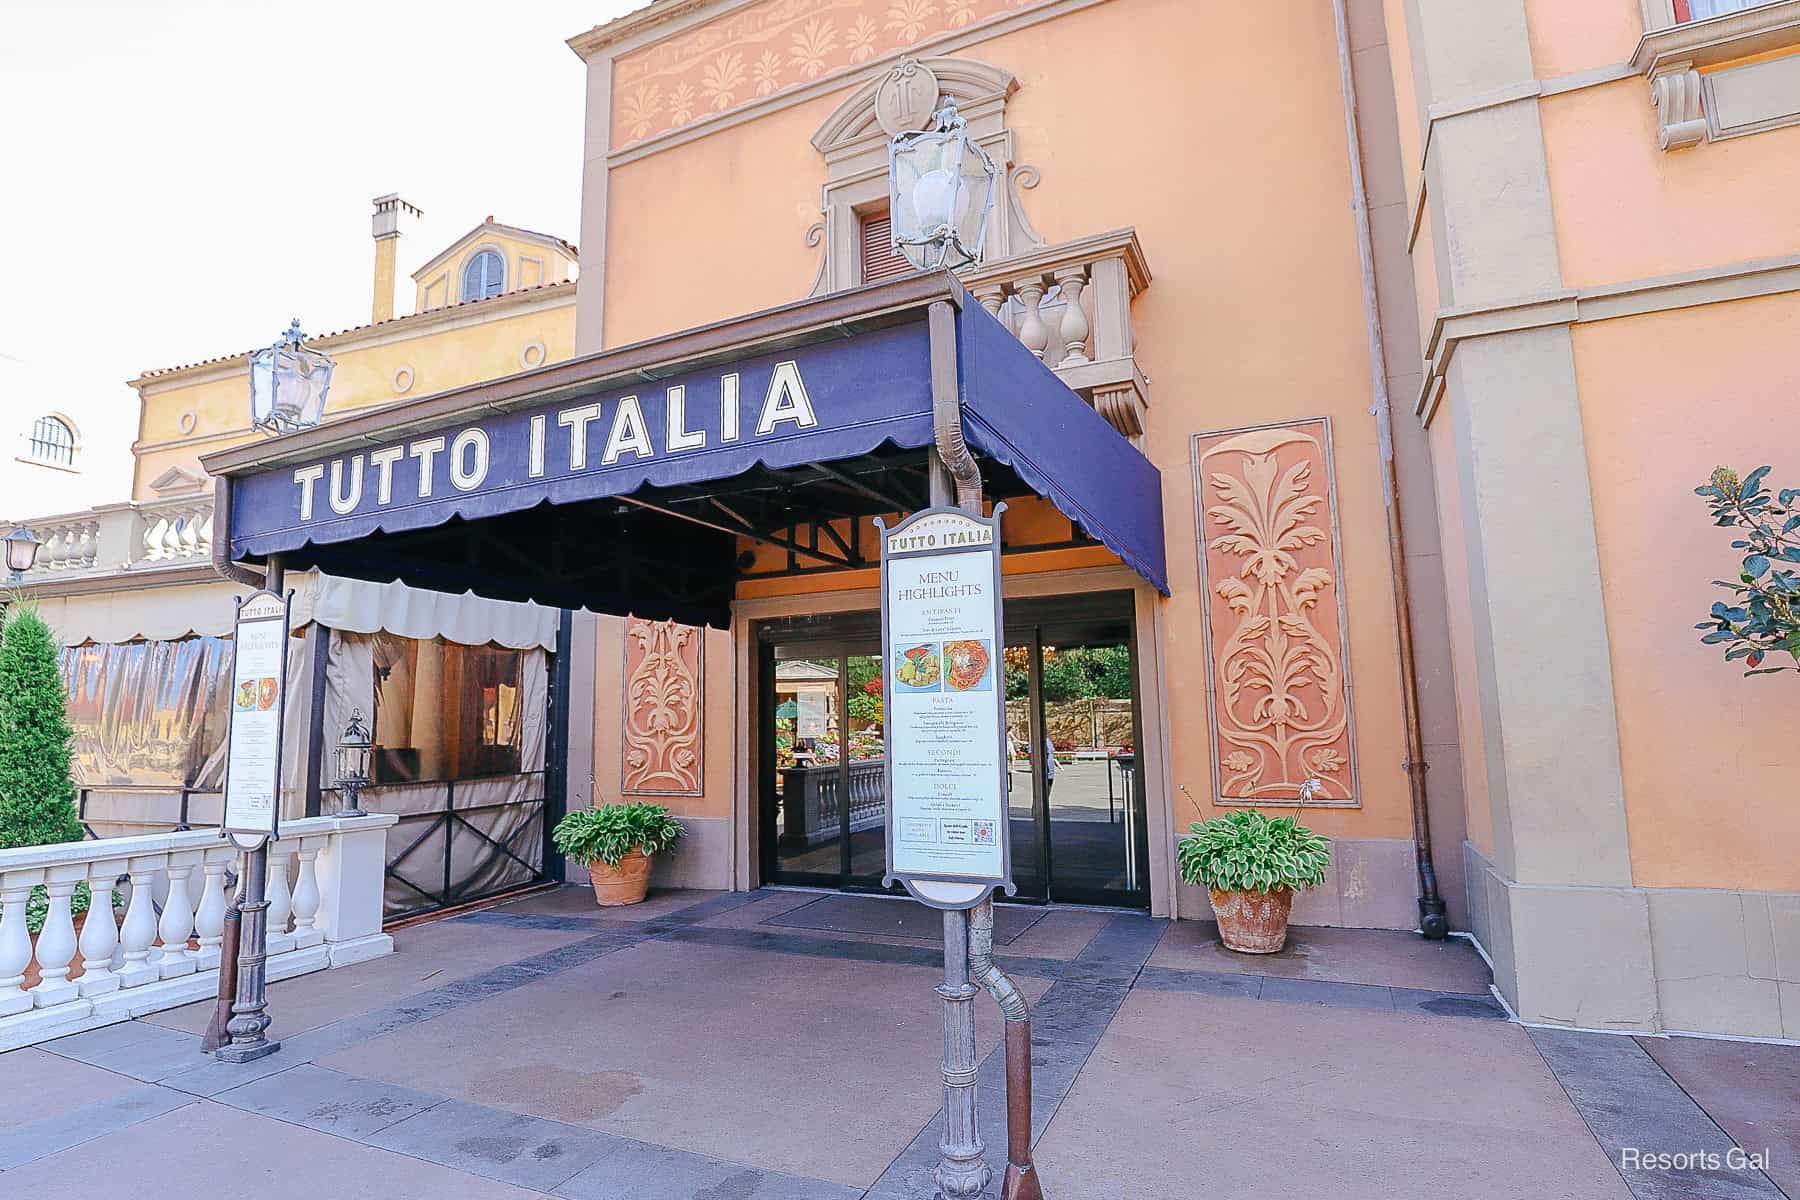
(623, 481)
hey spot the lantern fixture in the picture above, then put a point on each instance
(940, 192)
(288, 383)
(21, 552)
(353, 752)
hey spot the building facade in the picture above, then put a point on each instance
(1597, 337)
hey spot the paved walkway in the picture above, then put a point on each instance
(784, 1046)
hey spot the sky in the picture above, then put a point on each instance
(179, 178)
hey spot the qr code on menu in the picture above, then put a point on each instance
(984, 833)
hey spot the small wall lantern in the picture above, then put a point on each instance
(940, 192)
(21, 552)
(288, 383)
(353, 753)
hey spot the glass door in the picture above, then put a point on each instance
(825, 788)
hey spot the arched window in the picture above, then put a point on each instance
(484, 276)
(52, 441)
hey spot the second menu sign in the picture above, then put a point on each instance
(945, 700)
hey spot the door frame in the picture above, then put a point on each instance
(1153, 746)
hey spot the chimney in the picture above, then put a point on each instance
(385, 227)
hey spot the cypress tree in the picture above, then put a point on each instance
(37, 790)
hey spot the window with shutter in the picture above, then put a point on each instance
(484, 276)
(879, 259)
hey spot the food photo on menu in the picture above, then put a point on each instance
(968, 661)
(919, 668)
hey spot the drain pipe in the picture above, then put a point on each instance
(1021, 1180)
(1434, 924)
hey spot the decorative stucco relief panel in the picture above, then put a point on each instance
(664, 697)
(1278, 675)
(769, 47)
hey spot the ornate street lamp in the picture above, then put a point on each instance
(353, 764)
(21, 552)
(288, 383)
(940, 191)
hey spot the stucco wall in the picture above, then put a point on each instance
(1709, 757)
(1255, 313)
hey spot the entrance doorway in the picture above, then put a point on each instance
(1077, 800)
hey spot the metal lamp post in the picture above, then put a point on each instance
(941, 188)
(353, 764)
(940, 192)
(288, 384)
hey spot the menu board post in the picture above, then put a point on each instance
(253, 731)
(253, 802)
(944, 696)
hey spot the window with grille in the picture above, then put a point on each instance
(52, 441)
(879, 258)
(484, 276)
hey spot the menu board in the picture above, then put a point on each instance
(253, 738)
(944, 699)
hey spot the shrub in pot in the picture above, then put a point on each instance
(1251, 865)
(615, 842)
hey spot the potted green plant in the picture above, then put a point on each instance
(1251, 865)
(616, 842)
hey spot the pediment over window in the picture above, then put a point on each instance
(854, 141)
(179, 481)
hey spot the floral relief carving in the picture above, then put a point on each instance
(1279, 690)
(763, 48)
(721, 79)
(664, 727)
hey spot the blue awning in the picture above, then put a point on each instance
(622, 481)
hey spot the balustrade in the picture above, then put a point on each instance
(1070, 305)
(114, 537)
(96, 969)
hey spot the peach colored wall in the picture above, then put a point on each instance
(1566, 37)
(1459, 607)
(1626, 210)
(1710, 757)
(1255, 313)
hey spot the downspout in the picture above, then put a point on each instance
(946, 409)
(221, 543)
(1021, 1179)
(1433, 922)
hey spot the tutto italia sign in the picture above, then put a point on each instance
(806, 404)
(945, 705)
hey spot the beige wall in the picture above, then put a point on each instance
(440, 354)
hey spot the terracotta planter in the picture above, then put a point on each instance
(1253, 922)
(626, 883)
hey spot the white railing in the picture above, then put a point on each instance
(114, 537)
(325, 885)
(1071, 306)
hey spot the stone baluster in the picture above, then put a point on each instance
(177, 923)
(204, 529)
(281, 908)
(56, 943)
(100, 933)
(139, 930)
(1032, 330)
(209, 917)
(15, 943)
(1074, 329)
(306, 897)
(992, 296)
